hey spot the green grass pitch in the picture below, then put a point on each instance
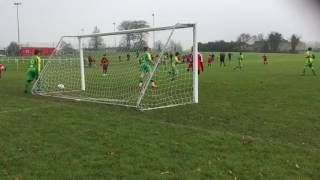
(260, 123)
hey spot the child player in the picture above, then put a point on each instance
(174, 62)
(230, 56)
(200, 63)
(210, 60)
(264, 58)
(104, 63)
(2, 69)
(222, 59)
(145, 67)
(309, 62)
(240, 59)
(33, 71)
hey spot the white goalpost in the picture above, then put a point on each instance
(95, 68)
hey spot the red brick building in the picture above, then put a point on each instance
(29, 51)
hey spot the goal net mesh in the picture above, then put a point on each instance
(115, 71)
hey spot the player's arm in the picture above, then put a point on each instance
(33, 62)
(307, 55)
(39, 63)
(149, 58)
(178, 61)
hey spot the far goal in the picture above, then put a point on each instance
(147, 68)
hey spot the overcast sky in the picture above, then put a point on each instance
(47, 20)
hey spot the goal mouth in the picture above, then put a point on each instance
(116, 68)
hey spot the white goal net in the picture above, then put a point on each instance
(129, 68)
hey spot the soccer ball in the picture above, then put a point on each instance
(60, 86)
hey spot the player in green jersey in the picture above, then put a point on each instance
(146, 62)
(33, 71)
(309, 62)
(176, 60)
(240, 59)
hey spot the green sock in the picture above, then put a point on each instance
(26, 87)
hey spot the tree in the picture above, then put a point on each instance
(260, 37)
(259, 43)
(66, 48)
(159, 46)
(13, 49)
(244, 40)
(174, 46)
(257, 38)
(134, 40)
(274, 41)
(295, 40)
(96, 43)
(220, 46)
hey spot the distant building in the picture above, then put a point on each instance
(3, 52)
(29, 51)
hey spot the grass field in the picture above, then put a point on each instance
(260, 123)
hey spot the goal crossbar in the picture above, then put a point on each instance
(177, 26)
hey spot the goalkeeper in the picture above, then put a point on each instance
(174, 62)
(309, 62)
(146, 67)
(33, 71)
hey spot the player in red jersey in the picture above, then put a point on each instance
(210, 60)
(105, 64)
(2, 69)
(200, 63)
(265, 59)
(94, 61)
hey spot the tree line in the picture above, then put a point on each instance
(273, 42)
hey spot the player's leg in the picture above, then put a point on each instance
(105, 69)
(39, 83)
(174, 73)
(153, 83)
(236, 67)
(304, 69)
(30, 77)
(141, 80)
(312, 69)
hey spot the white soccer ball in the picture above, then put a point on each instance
(60, 86)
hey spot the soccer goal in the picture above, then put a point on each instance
(116, 68)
